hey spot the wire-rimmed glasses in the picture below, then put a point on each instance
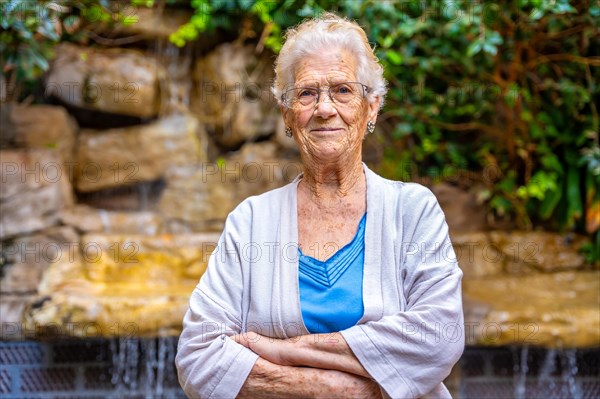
(340, 94)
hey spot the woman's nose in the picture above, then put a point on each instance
(325, 107)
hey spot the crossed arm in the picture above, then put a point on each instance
(305, 366)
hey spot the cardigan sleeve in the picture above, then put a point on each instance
(209, 363)
(411, 352)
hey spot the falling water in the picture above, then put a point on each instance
(520, 373)
(150, 365)
(570, 388)
(105, 220)
(176, 85)
(546, 383)
(144, 365)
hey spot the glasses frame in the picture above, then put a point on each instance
(288, 104)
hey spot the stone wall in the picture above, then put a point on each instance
(114, 193)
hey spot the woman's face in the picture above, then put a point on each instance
(328, 130)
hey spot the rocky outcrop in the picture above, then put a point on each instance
(45, 126)
(121, 285)
(126, 156)
(462, 210)
(232, 95)
(517, 289)
(544, 251)
(199, 198)
(108, 80)
(90, 220)
(550, 310)
(34, 189)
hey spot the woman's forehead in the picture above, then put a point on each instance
(325, 81)
(329, 68)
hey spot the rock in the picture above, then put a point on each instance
(45, 126)
(28, 257)
(34, 188)
(108, 80)
(461, 208)
(545, 251)
(11, 322)
(476, 256)
(126, 156)
(90, 220)
(8, 132)
(140, 197)
(196, 198)
(232, 94)
(123, 285)
(550, 310)
(201, 196)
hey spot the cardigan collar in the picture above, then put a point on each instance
(288, 273)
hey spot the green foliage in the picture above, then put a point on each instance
(502, 93)
(29, 30)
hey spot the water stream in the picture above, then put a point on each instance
(143, 365)
(555, 378)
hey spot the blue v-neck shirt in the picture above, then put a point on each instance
(331, 291)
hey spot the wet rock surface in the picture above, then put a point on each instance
(143, 282)
(550, 310)
(517, 289)
(87, 219)
(34, 189)
(117, 157)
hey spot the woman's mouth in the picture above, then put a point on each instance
(326, 129)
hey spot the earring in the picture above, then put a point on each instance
(288, 132)
(370, 127)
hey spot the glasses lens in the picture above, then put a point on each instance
(344, 93)
(341, 93)
(305, 96)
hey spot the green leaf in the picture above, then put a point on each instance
(574, 202)
(551, 200)
(394, 57)
(474, 48)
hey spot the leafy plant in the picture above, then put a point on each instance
(502, 93)
(29, 30)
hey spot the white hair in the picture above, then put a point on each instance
(328, 31)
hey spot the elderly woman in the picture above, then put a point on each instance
(341, 283)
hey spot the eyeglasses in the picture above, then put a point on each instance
(340, 94)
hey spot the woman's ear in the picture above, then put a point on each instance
(374, 109)
(285, 112)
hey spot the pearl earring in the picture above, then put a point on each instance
(288, 132)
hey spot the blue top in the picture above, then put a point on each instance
(331, 291)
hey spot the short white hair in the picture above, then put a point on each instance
(328, 31)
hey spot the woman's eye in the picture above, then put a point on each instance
(343, 90)
(306, 93)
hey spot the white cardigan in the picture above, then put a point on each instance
(411, 332)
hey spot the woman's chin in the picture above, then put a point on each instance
(328, 154)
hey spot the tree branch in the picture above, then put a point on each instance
(594, 61)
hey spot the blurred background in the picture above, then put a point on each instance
(130, 129)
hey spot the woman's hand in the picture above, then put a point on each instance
(324, 351)
(272, 349)
(272, 381)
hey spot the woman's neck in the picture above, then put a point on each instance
(333, 181)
